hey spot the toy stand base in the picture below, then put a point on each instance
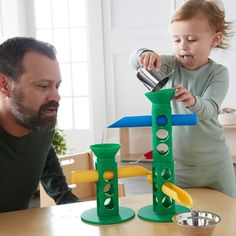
(91, 217)
(147, 213)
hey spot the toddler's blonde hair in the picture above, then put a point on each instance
(213, 11)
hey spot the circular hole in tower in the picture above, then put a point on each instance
(161, 120)
(166, 174)
(154, 175)
(162, 134)
(109, 189)
(108, 175)
(162, 148)
(167, 202)
(109, 203)
(154, 171)
(155, 202)
(154, 188)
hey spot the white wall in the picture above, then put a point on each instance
(129, 25)
(9, 28)
(227, 57)
(133, 24)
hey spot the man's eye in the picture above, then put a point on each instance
(43, 86)
(58, 85)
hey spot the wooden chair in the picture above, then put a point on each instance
(85, 191)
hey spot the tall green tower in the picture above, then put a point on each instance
(163, 207)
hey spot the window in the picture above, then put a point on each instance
(63, 23)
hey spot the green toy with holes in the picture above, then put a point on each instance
(108, 210)
(163, 207)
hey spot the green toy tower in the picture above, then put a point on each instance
(108, 210)
(163, 207)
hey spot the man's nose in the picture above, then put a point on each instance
(54, 95)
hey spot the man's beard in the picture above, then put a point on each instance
(29, 118)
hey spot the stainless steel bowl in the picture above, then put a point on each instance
(196, 223)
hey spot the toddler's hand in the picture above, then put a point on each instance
(184, 96)
(150, 60)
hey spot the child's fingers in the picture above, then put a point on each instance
(150, 60)
(144, 59)
(177, 86)
(154, 62)
(179, 91)
(184, 96)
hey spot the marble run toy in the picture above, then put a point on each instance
(89, 176)
(165, 192)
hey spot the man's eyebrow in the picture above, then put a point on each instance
(43, 80)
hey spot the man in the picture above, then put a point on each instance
(29, 99)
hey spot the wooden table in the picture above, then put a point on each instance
(65, 219)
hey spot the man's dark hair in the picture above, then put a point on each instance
(13, 50)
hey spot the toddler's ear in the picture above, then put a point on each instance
(217, 39)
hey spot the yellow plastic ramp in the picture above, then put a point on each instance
(87, 176)
(132, 171)
(178, 194)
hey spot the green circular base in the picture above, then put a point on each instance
(91, 216)
(147, 213)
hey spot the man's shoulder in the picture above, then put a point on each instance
(43, 133)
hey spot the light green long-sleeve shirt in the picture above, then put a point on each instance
(203, 144)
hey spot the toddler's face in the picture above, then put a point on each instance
(192, 41)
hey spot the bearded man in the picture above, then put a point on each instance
(29, 100)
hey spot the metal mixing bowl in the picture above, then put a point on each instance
(196, 223)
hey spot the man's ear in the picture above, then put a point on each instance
(217, 39)
(5, 85)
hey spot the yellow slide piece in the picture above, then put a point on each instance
(178, 194)
(171, 190)
(132, 171)
(175, 192)
(84, 176)
(87, 176)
